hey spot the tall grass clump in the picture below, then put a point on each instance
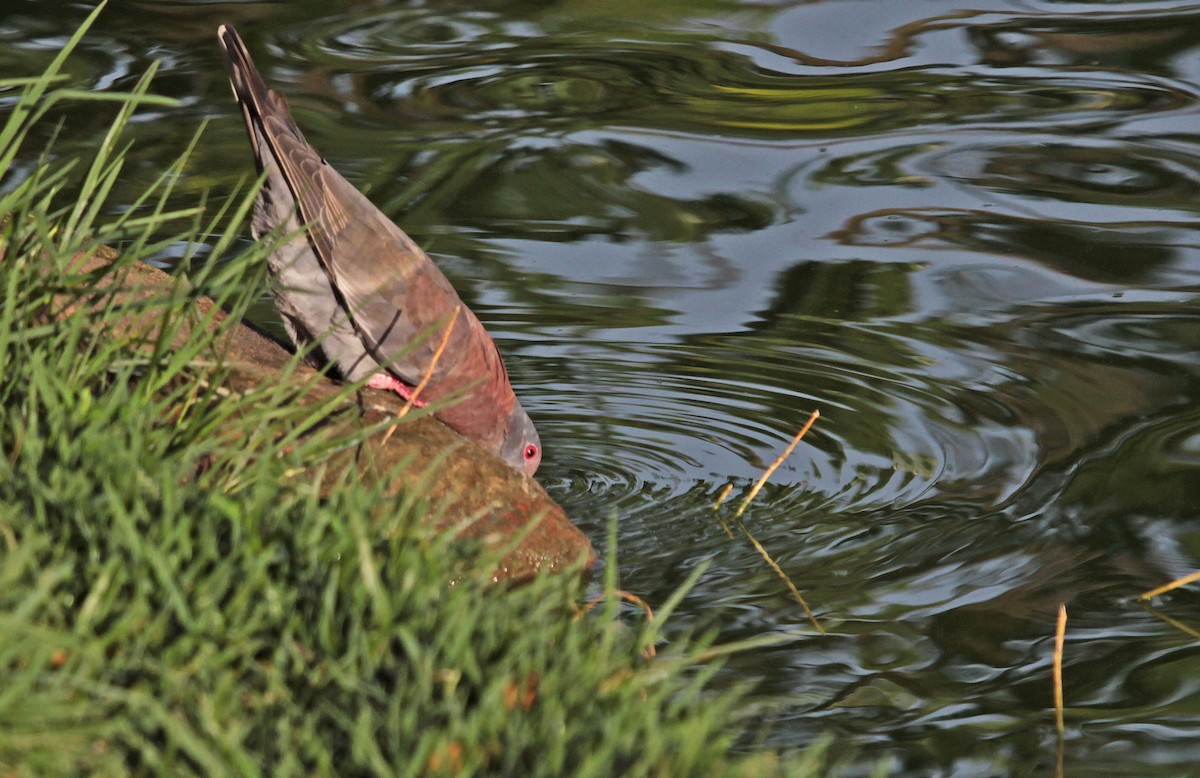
(173, 601)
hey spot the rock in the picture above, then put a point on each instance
(472, 492)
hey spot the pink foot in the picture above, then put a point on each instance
(392, 384)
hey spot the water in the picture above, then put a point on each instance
(966, 234)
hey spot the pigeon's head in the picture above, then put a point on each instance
(521, 447)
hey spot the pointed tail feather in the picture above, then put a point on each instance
(249, 88)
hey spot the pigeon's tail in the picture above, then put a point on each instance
(258, 103)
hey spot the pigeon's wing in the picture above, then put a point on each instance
(391, 291)
(395, 295)
(300, 285)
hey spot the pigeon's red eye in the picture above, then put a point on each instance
(531, 451)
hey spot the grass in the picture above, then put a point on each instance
(173, 602)
(737, 517)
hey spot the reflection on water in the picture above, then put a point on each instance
(966, 234)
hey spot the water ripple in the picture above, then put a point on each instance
(477, 68)
(1087, 171)
(660, 420)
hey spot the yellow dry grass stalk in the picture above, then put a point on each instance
(724, 493)
(437, 354)
(717, 505)
(627, 597)
(758, 485)
(1179, 625)
(779, 571)
(1178, 582)
(754, 490)
(1060, 636)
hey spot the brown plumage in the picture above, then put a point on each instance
(347, 278)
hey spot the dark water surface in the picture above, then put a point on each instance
(966, 233)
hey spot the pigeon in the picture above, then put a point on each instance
(352, 285)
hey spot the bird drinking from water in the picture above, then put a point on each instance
(352, 283)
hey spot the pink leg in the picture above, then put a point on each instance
(392, 384)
